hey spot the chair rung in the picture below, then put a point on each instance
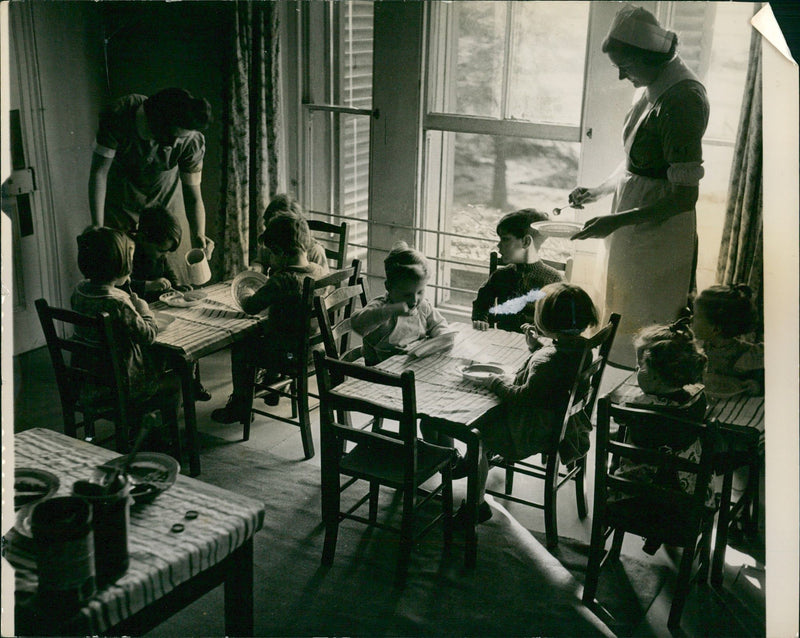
(515, 499)
(567, 477)
(278, 417)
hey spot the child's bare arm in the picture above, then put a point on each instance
(374, 314)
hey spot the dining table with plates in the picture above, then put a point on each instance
(195, 328)
(740, 418)
(191, 538)
(448, 399)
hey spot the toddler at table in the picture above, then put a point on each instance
(723, 317)
(519, 248)
(533, 404)
(158, 233)
(286, 204)
(285, 239)
(105, 258)
(401, 316)
(670, 369)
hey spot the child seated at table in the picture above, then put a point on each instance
(158, 233)
(286, 204)
(533, 404)
(105, 258)
(670, 369)
(285, 239)
(399, 317)
(519, 248)
(723, 317)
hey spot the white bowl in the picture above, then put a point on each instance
(482, 373)
(245, 282)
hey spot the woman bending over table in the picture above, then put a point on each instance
(652, 238)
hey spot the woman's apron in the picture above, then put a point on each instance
(650, 265)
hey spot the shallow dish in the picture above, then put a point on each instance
(481, 373)
(178, 299)
(32, 485)
(557, 229)
(245, 283)
(150, 474)
(433, 345)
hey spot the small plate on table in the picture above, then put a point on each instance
(178, 299)
(557, 229)
(150, 474)
(244, 284)
(32, 485)
(481, 373)
(433, 345)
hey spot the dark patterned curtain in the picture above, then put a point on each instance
(741, 252)
(250, 123)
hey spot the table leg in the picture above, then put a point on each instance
(471, 537)
(239, 592)
(186, 371)
(723, 522)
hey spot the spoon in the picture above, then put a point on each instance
(147, 422)
(557, 211)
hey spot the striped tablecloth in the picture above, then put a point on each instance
(441, 390)
(160, 560)
(212, 324)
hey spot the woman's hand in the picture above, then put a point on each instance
(480, 325)
(598, 227)
(582, 195)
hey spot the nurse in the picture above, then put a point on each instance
(145, 147)
(651, 231)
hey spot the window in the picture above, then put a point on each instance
(336, 114)
(514, 91)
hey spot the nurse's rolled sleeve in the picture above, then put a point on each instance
(104, 151)
(191, 155)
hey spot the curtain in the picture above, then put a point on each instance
(250, 132)
(741, 251)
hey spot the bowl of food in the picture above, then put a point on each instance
(245, 284)
(32, 485)
(433, 345)
(557, 229)
(178, 299)
(150, 474)
(482, 373)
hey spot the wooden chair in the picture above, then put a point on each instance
(294, 377)
(334, 239)
(399, 460)
(581, 403)
(661, 511)
(69, 356)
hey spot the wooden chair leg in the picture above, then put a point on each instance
(580, 488)
(616, 545)
(406, 537)
(551, 503)
(681, 588)
(723, 522)
(330, 509)
(374, 490)
(596, 549)
(509, 478)
(304, 417)
(70, 427)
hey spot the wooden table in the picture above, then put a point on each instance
(449, 402)
(212, 325)
(167, 570)
(741, 423)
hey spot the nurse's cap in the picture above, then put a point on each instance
(638, 27)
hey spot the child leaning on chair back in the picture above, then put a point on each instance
(533, 403)
(519, 248)
(723, 317)
(105, 258)
(669, 375)
(391, 322)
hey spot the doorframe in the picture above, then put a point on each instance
(27, 81)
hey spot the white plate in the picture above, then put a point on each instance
(32, 485)
(244, 283)
(557, 229)
(432, 346)
(482, 373)
(148, 468)
(177, 299)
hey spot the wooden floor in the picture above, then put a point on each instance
(738, 609)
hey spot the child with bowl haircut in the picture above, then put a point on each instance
(519, 248)
(105, 258)
(723, 317)
(158, 233)
(286, 204)
(401, 316)
(285, 239)
(533, 403)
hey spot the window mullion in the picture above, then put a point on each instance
(507, 49)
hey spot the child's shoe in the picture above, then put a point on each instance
(651, 546)
(460, 517)
(200, 393)
(235, 411)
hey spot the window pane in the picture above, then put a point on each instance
(547, 65)
(355, 54)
